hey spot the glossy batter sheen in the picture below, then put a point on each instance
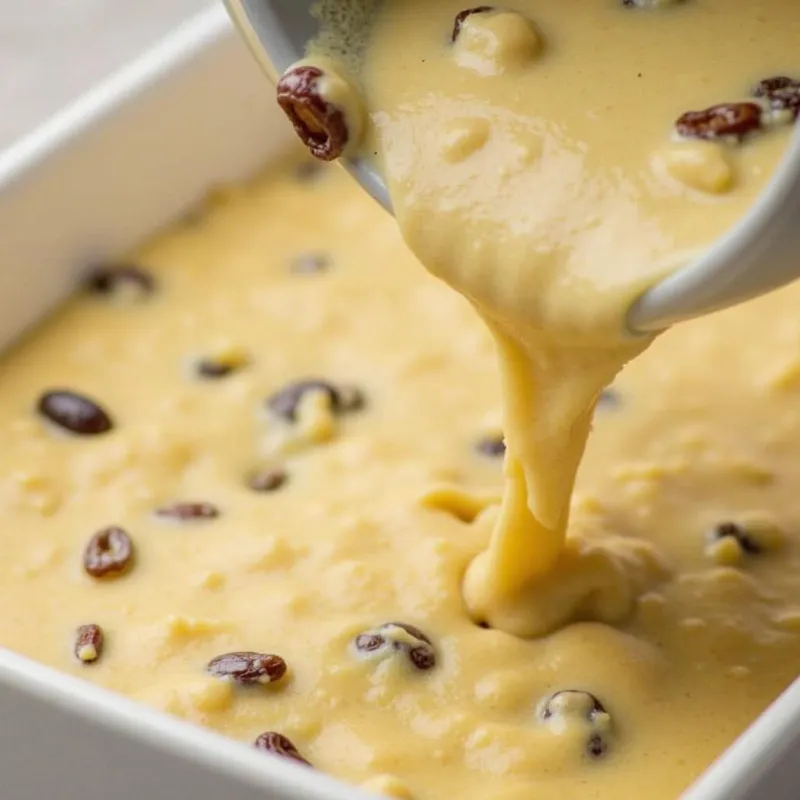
(530, 155)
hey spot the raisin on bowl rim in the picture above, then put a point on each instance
(318, 122)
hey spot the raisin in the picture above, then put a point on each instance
(369, 642)
(114, 279)
(728, 120)
(247, 668)
(89, 640)
(280, 745)
(782, 93)
(397, 638)
(597, 746)
(221, 362)
(766, 87)
(609, 398)
(209, 368)
(187, 511)
(321, 126)
(738, 532)
(650, 3)
(310, 263)
(573, 701)
(492, 446)
(270, 480)
(462, 16)
(422, 657)
(74, 412)
(584, 714)
(109, 553)
(284, 403)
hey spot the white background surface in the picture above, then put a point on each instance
(52, 50)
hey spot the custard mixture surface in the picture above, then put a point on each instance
(383, 507)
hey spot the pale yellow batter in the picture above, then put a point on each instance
(310, 523)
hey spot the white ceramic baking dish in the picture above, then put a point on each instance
(120, 163)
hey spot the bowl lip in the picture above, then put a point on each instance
(265, 35)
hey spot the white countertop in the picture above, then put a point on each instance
(53, 50)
